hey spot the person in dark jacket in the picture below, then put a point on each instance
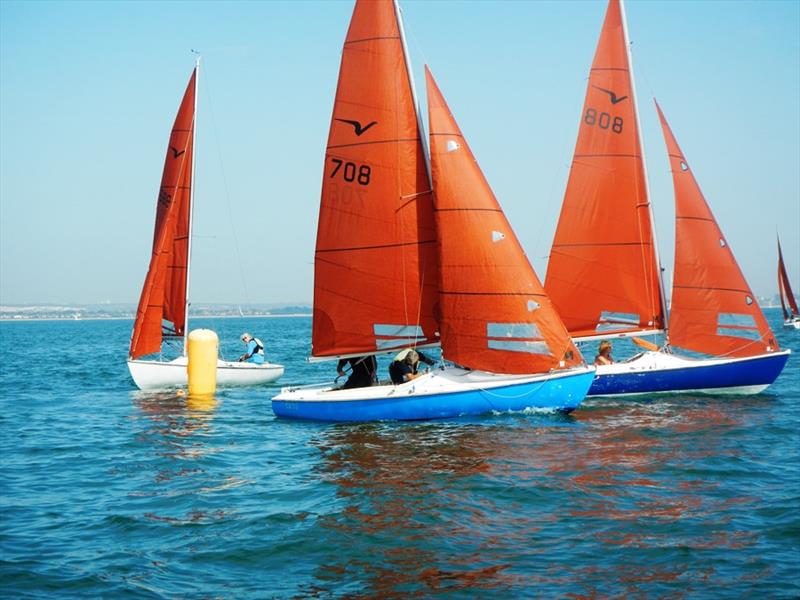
(405, 365)
(363, 371)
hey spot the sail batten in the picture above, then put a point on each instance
(713, 308)
(164, 292)
(603, 257)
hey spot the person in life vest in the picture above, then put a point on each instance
(255, 350)
(405, 365)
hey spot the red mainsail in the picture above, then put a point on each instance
(164, 292)
(375, 271)
(713, 310)
(495, 315)
(785, 288)
(603, 274)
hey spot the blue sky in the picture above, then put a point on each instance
(88, 92)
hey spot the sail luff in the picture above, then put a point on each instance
(186, 301)
(634, 99)
(785, 288)
(713, 308)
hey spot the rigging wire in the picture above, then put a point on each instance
(207, 88)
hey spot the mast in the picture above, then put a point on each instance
(422, 138)
(644, 168)
(191, 209)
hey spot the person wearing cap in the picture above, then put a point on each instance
(405, 365)
(363, 371)
(255, 350)
(604, 354)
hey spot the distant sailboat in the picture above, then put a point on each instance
(163, 310)
(604, 273)
(791, 316)
(379, 284)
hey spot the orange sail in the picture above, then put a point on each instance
(375, 268)
(713, 310)
(603, 274)
(785, 288)
(164, 292)
(495, 315)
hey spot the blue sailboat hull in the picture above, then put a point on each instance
(418, 401)
(739, 375)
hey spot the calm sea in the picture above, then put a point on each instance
(106, 491)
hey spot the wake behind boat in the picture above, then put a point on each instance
(379, 284)
(604, 273)
(163, 310)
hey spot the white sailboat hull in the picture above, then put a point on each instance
(154, 374)
(792, 323)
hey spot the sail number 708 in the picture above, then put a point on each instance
(351, 172)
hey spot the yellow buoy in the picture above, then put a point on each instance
(203, 349)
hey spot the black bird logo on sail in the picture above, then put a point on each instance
(357, 127)
(175, 153)
(611, 95)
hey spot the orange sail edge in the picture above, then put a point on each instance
(713, 309)
(376, 272)
(495, 315)
(163, 296)
(603, 265)
(785, 289)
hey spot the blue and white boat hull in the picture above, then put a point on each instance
(653, 372)
(441, 393)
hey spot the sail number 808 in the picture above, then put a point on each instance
(351, 171)
(603, 120)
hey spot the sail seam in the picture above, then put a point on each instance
(467, 210)
(384, 37)
(457, 293)
(642, 243)
(721, 289)
(319, 250)
(615, 155)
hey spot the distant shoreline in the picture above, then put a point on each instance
(26, 320)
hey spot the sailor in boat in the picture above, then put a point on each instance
(604, 354)
(405, 365)
(363, 371)
(255, 350)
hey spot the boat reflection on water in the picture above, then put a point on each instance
(416, 517)
(607, 501)
(179, 430)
